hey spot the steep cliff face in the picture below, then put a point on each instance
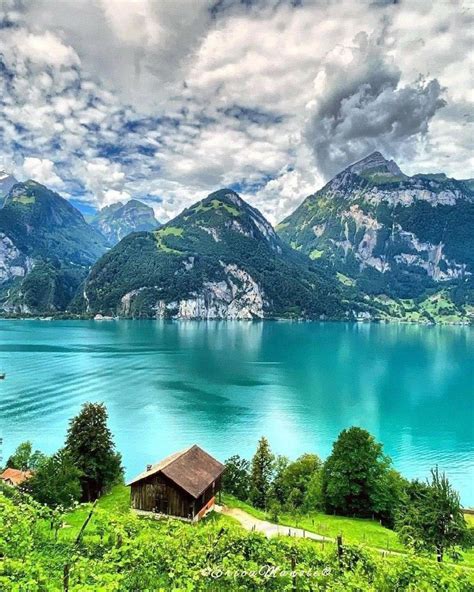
(389, 233)
(13, 263)
(219, 259)
(115, 222)
(238, 296)
(46, 249)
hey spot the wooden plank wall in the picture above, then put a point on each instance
(145, 495)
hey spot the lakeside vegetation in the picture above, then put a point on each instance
(356, 482)
(71, 527)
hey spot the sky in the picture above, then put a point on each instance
(169, 100)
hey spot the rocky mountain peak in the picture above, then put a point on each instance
(6, 183)
(120, 219)
(376, 163)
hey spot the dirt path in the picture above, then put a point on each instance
(270, 529)
(267, 528)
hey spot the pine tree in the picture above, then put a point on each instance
(90, 445)
(261, 474)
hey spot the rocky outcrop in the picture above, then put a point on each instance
(13, 264)
(237, 297)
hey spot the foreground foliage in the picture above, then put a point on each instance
(118, 551)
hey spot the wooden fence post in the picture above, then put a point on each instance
(339, 549)
(67, 566)
(293, 575)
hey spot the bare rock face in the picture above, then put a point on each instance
(118, 220)
(13, 264)
(238, 297)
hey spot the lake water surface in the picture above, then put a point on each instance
(224, 384)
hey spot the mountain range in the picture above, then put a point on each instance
(373, 243)
(46, 250)
(220, 258)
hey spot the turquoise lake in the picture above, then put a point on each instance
(224, 384)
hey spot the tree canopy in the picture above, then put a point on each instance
(91, 447)
(25, 458)
(353, 472)
(431, 519)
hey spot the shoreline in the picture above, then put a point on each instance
(365, 321)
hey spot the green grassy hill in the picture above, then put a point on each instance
(120, 552)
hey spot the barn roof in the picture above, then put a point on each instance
(192, 469)
(15, 476)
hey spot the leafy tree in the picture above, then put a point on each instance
(24, 458)
(295, 477)
(261, 474)
(56, 482)
(352, 472)
(90, 444)
(432, 518)
(389, 494)
(236, 478)
(313, 499)
(278, 489)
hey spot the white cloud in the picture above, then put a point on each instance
(104, 179)
(168, 101)
(112, 196)
(42, 171)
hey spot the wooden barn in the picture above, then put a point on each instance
(183, 484)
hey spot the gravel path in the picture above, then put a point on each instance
(268, 528)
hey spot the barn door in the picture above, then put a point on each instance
(161, 501)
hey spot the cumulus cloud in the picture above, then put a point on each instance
(359, 107)
(167, 101)
(42, 171)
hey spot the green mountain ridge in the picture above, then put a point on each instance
(220, 258)
(393, 237)
(46, 249)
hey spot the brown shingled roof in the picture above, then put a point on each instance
(192, 469)
(15, 476)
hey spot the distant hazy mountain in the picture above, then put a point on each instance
(219, 258)
(393, 236)
(118, 220)
(46, 249)
(6, 183)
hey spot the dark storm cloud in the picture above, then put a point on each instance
(361, 107)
